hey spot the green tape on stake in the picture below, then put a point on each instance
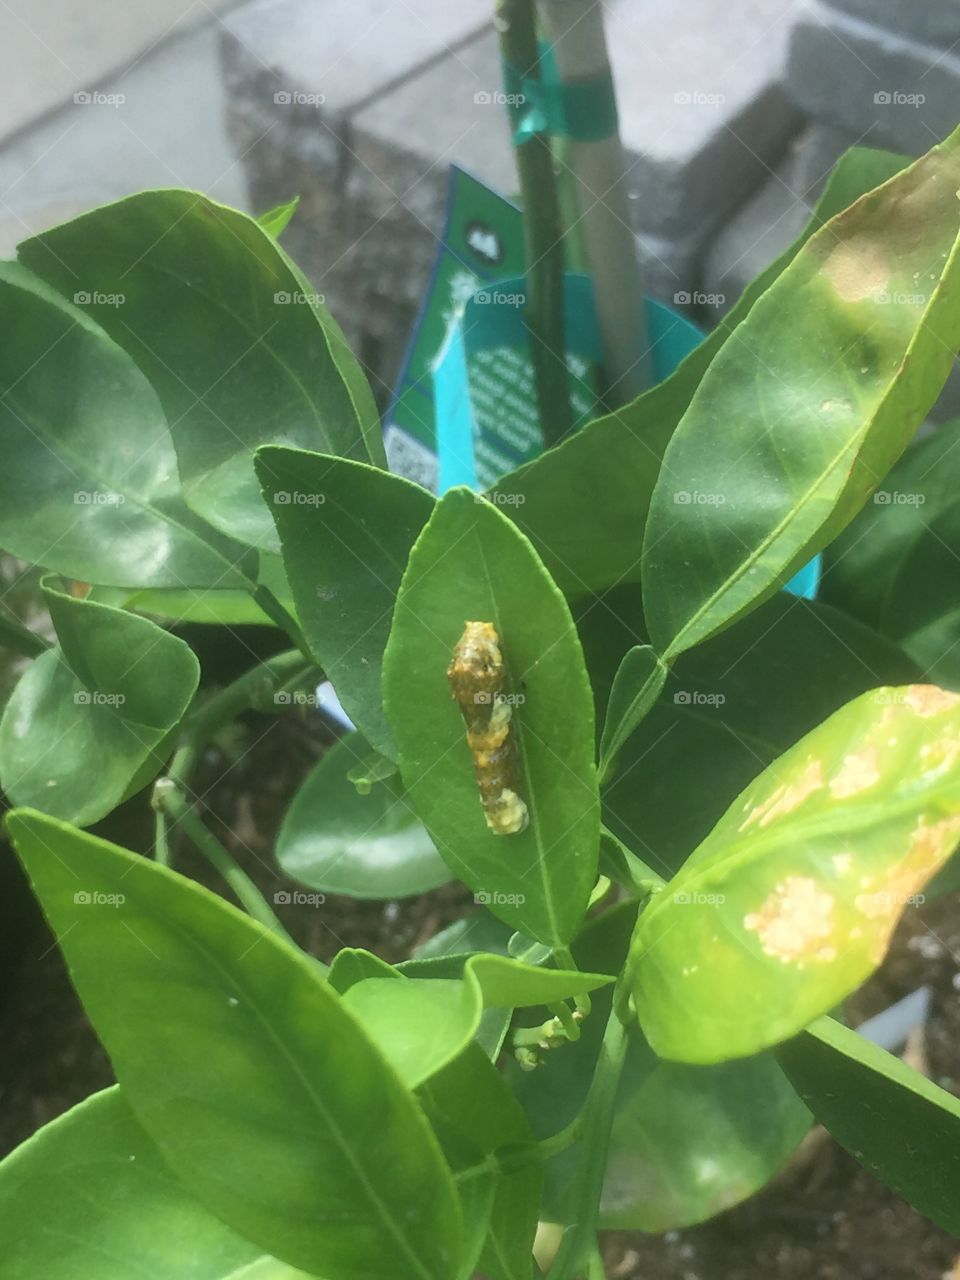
(585, 111)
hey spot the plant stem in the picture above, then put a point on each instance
(174, 805)
(543, 228)
(595, 1269)
(534, 1153)
(251, 689)
(598, 1120)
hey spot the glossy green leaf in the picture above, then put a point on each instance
(924, 608)
(832, 372)
(419, 1025)
(636, 686)
(236, 343)
(862, 567)
(214, 607)
(352, 964)
(898, 1124)
(423, 1023)
(472, 564)
(89, 1198)
(478, 931)
(687, 1142)
(346, 532)
(259, 1088)
(790, 902)
(90, 722)
(470, 1100)
(336, 839)
(89, 483)
(583, 505)
(276, 220)
(729, 708)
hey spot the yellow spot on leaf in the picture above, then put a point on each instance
(857, 270)
(891, 891)
(857, 773)
(795, 921)
(787, 797)
(929, 700)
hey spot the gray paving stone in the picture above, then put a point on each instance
(933, 21)
(366, 139)
(766, 225)
(701, 108)
(888, 90)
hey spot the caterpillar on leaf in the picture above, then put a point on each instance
(477, 684)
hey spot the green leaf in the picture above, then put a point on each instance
(346, 531)
(832, 372)
(352, 964)
(235, 342)
(213, 607)
(729, 708)
(260, 1090)
(790, 902)
(924, 611)
(89, 482)
(895, 566)
(88, 1198)
(478, 931)
(862, 567)
(336, 839)
(471, 1100)
(583, 505)
(899, 1125)
(422, 1023)
(276, 220)
(636, 686)
(471, 563)
(90, 722)
(687, 1142)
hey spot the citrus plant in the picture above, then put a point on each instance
(690, 807)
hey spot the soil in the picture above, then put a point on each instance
(823, 1218)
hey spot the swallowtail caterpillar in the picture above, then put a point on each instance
(477, 684)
